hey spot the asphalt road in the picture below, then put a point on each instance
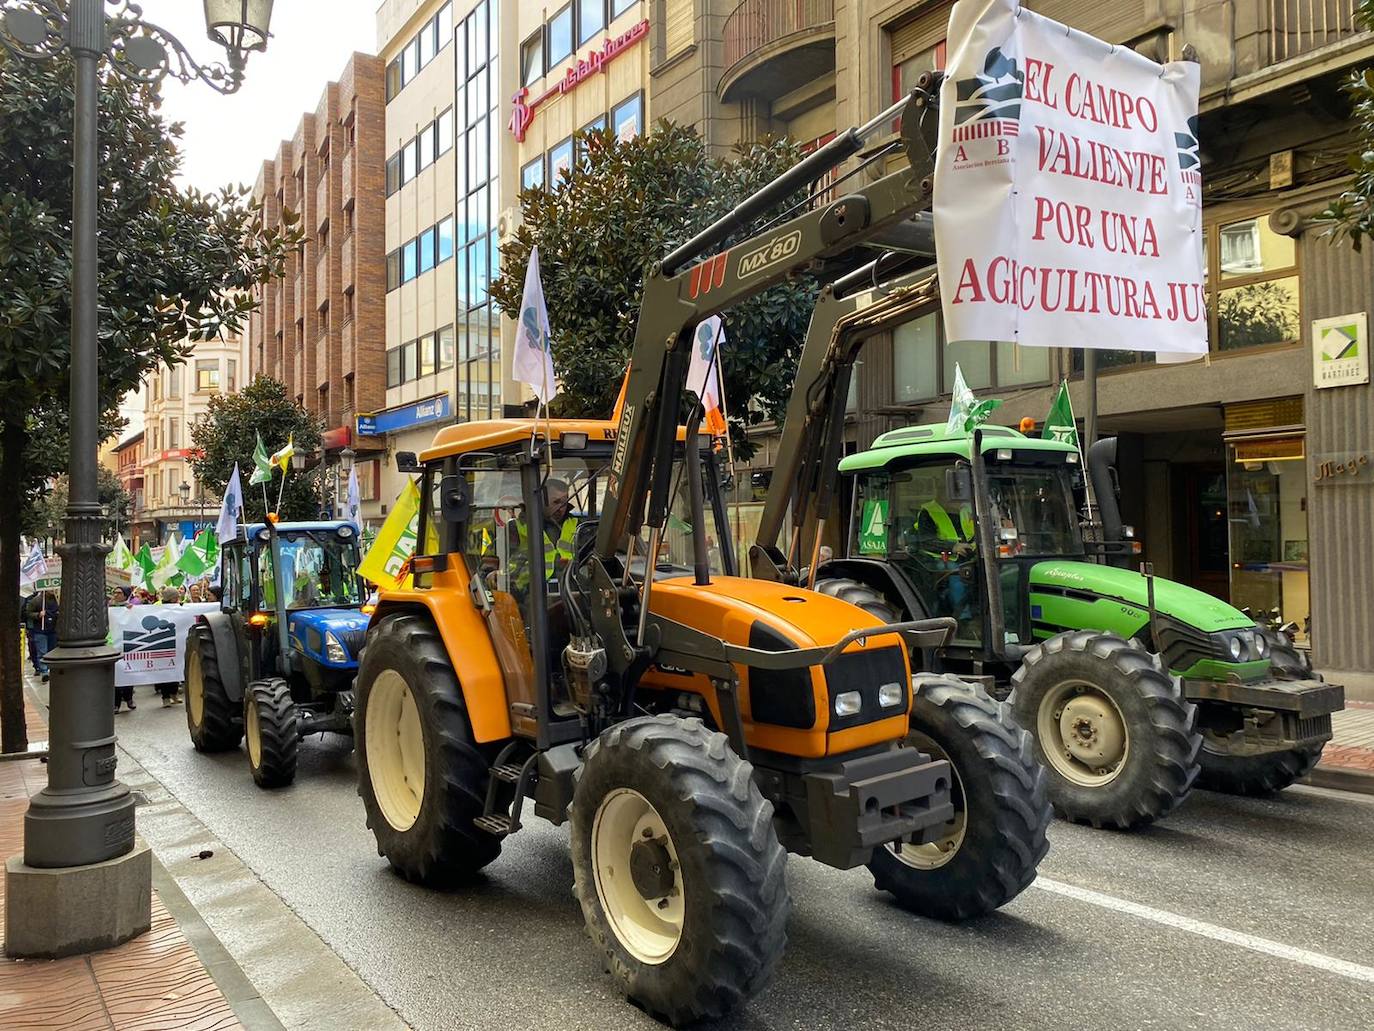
(1234, 913)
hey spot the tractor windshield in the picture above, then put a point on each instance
(1032, 512)
(318, 569)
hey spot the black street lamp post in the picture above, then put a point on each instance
(85, 816)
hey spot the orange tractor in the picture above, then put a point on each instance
(576, 636)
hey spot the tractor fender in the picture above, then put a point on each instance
(230, 658)
(879, 576)
(468, 641)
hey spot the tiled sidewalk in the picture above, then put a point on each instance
(1348, 759)
(155, 982)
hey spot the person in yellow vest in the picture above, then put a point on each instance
(559, 529)
(947, 539)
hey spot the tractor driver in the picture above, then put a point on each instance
(559, 529)
(944, 535)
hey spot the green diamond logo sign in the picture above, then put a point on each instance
(1340, 354)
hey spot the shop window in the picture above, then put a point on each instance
(560, 36)
(627, 117)
(591, 19)
(1267, 508)
(1252, 285)
(532, 175)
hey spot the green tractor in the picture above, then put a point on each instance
(1133, 687)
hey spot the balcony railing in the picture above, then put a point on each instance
(756, 23)
(1297, 27)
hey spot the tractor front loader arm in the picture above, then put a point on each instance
(677, 297)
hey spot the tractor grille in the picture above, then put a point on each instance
(1314, 727)
(353, 641)
(1184, 646)
(782, 697)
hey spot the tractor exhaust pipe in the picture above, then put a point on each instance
(1101, 462)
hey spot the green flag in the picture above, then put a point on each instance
(966, 412)
(120, 557)
(143, 567)
(262, 464)
(1059, 424)
(166, 571)
(199, 557)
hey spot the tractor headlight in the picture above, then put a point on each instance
(890, 695)
(1261, 646)
(333, 649)
(1236, 647)
(848, 703)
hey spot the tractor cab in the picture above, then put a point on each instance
(965, 518)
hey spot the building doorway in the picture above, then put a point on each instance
(1203, 558)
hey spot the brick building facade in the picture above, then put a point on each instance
(320, 329)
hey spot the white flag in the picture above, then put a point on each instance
(35, 564)
(354, 501)
(703, 374)
(532, 360)
(120, 556)
(227, 529)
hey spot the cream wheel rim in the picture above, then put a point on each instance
(395, 750)
(195, 685)
(252, 731)
(1083, 733)
(937, 853)
(638, 876)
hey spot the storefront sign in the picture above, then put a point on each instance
(336, 438)
(1349, 469)
(432, 410)
(1068, 191)
(1340, 351)
(573, 76)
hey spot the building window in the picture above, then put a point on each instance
(1252, 292)
(393, 270)
(393, 78)
(445, 235)
(923, 363)
(410, 260)
(426, 245)
(393, 173)
(444, 133)
(560, 36)
(409, 354)
(173, 433)
(532, 59)
(393, 367)
(532, 175)
(426, 344)
(443, 26)
(233, 378)
(560, 158)
(444, 349)
(591, 19)
(424, 149)
(627, 117)
(207, 375)
(619, 7)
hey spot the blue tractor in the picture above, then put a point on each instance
(273, 665)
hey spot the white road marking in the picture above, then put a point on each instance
(1315, 960)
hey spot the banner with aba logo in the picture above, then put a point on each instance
(1068, 194)
(152, 641)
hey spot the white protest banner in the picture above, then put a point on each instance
(152, 641)
(1068, 195)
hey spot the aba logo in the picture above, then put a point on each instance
(1189, 162)
(993, 95)
(156, 637)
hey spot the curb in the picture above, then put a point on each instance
(1341, 778)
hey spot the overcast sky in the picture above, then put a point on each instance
(228, 138)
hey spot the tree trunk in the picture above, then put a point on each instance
(13, 733)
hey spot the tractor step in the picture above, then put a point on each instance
(498, 824)
(508, 772)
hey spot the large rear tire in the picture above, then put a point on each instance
(1111, 727)
(860, 594)
(272, 732)
(211, 718)
(422, 780)
(678, 868)
(1001, 810)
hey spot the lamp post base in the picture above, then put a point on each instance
(50, 913)
(84, 815)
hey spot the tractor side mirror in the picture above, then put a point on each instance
(959, 483)
(455, 502)
(406, 462)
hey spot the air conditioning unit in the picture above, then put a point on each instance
(507, 224)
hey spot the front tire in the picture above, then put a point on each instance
(678, 868)
(211, 718)
(1112, 729)
(997, 837)
(1255, 774)
(272, 731)
(421, 778)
